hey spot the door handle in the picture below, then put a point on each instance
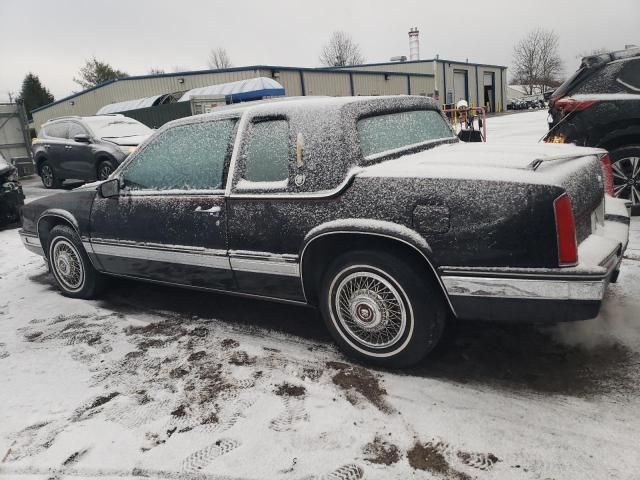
(68, 147)
(211, 211)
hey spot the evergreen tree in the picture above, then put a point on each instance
(94, 72)
(34, 94)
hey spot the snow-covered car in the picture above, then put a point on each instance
(11, 195)
(85, 148)
(366, 207)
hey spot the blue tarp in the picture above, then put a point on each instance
(240, 91)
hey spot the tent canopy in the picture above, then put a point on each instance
(243, 90)
(129, 105)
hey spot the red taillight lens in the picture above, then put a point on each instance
(565, 231)
(569, 104)
(607, 174)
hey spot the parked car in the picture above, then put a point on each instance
(366, 207)
(11, 195)
(599, 106)
(85, 148)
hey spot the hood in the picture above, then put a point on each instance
(478, 157)
(132, 141)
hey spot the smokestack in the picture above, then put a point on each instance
(414, 44)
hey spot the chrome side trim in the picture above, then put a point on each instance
(238, 260)
(200, 258)
(288, 269)
(433, 269)
(31, 242)
(543, 289)
(351, 174)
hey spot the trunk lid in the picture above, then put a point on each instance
(575, 169)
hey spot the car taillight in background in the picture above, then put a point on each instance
(565, 231)
(571, 104)
(607, 174)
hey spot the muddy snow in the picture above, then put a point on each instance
(153, 382)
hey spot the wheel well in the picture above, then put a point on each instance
(39, 161)
(104, 158)
(46, 224)
(319, 254)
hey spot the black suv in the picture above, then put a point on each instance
(85, 148)
(599, 106)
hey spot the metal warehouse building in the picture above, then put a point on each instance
(479, 84)
(444, 80)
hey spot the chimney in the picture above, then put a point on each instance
(414, 44)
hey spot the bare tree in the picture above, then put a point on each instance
(341, 51)
(156, 71)
(536, 61)
(219, 58)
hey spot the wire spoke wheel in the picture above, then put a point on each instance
(370, 309)
(626, 179)
(67, 264)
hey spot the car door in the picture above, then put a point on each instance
(169, 222)
(264, 264)
(80, 158)
(55, 144)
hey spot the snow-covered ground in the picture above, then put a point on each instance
(153, 382)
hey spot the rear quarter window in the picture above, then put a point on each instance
(393, 131)
(629, 76)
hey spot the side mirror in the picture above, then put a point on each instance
(82, 138)
(110, 188)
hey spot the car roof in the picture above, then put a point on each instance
(78, 117)
(288, 104)
(604, 58)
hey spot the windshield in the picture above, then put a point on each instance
(385, 133)
(106, 127)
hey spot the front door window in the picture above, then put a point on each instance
(186, 157)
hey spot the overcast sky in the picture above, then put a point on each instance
(53, 38)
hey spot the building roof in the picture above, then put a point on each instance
(224, 70)
(430, 60)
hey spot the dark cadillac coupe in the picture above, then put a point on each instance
(368, 208)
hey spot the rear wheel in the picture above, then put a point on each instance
(381, 309)
(625, 162)
(70, 264)
(49, 177)
(105, 168)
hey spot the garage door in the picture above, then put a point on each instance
(460, 88)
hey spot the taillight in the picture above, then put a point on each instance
(565, 231)
(570, 104)
(607, 173)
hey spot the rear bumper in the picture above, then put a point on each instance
(537, 295)
(31, 242)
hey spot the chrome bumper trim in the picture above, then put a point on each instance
(542, 289)
(31, 243)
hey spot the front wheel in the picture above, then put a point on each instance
(70, 264)
(381, 309)
(105, 169)
(625, 163)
